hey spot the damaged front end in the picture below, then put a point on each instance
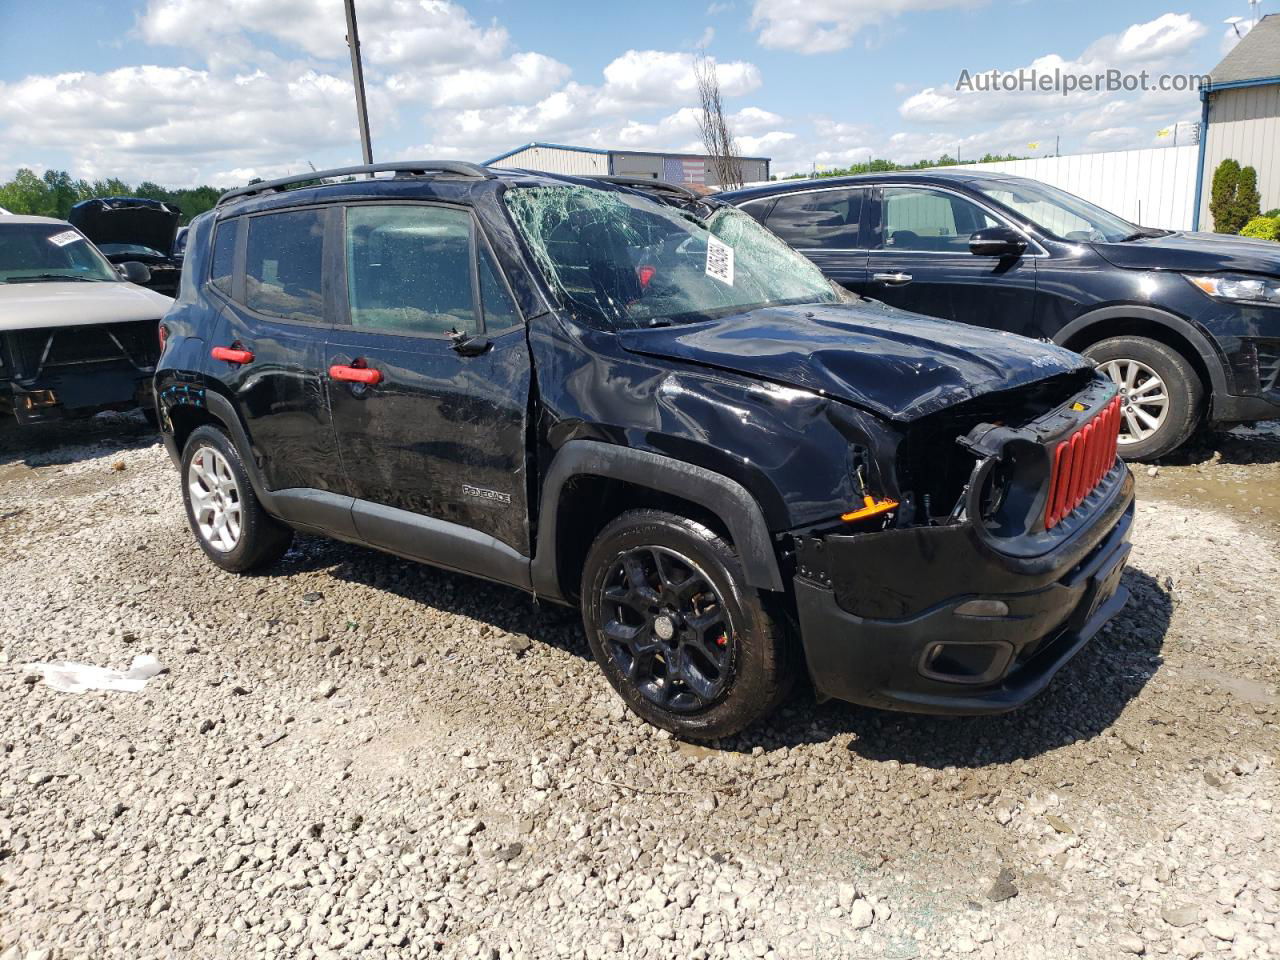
(1002, 558)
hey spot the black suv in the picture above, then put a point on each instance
(1187, 324)
(620, 395)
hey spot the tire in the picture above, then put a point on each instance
(697, 653)
(1143, 362)
(215, 485)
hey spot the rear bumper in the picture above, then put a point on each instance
(939, 660)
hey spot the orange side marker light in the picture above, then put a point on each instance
(870, 508)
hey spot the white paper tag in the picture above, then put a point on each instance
(720, 261)
(65, 237)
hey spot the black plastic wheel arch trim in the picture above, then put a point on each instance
(725, 498)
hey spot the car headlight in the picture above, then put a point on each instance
(1228, 286)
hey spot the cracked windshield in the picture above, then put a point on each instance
(629, 262)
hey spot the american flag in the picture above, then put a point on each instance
(685, 170)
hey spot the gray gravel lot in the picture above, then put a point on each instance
(353, 755)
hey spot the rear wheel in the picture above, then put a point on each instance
(1161, 394)
(678, 633)
(227, 519)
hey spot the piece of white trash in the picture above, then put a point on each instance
(79, 677)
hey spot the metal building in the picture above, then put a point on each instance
(1240, 116)
(688, 168)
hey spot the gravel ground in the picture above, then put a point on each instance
(353, 755)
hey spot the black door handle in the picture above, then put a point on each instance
(469, 346)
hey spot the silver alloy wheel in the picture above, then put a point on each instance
(1144, 398)
(215, 499)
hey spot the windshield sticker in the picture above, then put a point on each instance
(720, 261)
(65, 237)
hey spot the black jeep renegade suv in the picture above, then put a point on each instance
(620, 395)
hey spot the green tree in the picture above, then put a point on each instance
(27, 193)
(1233, 198)
(55, 193)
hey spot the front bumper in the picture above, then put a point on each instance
(80, 394)
(938, 660)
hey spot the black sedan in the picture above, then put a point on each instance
(1188, 324)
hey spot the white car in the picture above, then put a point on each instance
(76, 335)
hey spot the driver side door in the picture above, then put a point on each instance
(920, 261)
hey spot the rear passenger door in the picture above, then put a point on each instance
(268, 271)
(920, 261)
(428, 380)
(826, 226)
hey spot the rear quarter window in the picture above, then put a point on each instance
(223, 258)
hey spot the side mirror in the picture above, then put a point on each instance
(134, 272)
(997, 242)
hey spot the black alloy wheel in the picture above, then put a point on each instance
(667, 630)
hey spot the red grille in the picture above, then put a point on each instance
(1081, 461)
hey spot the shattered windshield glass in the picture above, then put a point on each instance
(629, 261)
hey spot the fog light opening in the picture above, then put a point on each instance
(982, 608)
(979, 662)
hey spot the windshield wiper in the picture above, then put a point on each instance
(46, 277)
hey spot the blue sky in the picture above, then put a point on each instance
(180, 91)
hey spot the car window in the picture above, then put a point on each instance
(917, 218)
(1059, 212)
(284, 265)
(499, 309)
(819, 219)
(409, 269)
(622, 260)
(39, 252)
(224, 255)
(758, 208)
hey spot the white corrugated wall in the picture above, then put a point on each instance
(557, 160)
(1244, 125)
(1154, 187)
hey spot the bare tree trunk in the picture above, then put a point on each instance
(717, 137)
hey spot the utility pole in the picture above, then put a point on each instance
(357, 76)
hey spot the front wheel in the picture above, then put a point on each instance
(678, 633)
(1161, 394)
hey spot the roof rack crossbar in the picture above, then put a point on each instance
(457, 168)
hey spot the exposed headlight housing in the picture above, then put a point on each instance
(1239, 287)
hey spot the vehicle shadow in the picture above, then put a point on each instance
(70, 441)
(1084, 700)
(1259, 443)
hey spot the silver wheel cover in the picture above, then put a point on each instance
(1144, 398)
(215, 499)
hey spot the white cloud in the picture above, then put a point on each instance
(522, 78)
(176, 124)
(434, 35)
(1097, 117)
(641, 78)
(823, 26)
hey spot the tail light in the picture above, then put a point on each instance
(1081, 461)
(163, 334)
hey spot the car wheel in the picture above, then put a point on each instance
(227, 519)
(678, 633)
(1161, 394)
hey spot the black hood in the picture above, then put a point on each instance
(1205, 252)
(899, 365)
(150, 223)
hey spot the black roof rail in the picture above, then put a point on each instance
(644, 183)
(456, 168)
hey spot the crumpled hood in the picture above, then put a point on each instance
(31, 306)
(127, 220)
(1184, 251)
(899, 365)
